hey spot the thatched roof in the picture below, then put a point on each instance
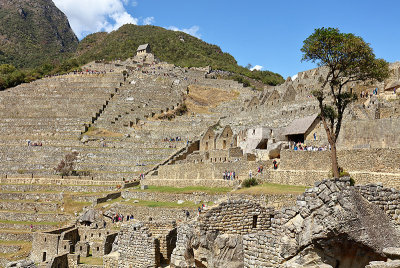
(300, 125)
(143, 47)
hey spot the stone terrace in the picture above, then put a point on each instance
(52, 111)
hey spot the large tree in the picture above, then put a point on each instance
(346, 58)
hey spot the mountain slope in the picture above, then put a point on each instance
(34, 31)
(174, 47)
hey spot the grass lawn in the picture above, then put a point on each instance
(272, 188)
(159, 204)
(91, 261)
(71, 206)
(151, 204)
(185, 190)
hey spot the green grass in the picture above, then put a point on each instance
(164, 204)
(272, 188)
(91, 261)
(151, 203)
(186, 190)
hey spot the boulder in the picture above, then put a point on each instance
(274, 150)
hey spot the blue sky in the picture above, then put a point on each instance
(260, 32)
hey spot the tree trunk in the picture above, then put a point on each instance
(335, 166)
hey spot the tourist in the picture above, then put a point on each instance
(199, 210)
(187, 214)
(275, 164)
(250, 174)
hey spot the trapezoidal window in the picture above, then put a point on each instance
(255, 218)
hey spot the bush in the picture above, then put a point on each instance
(344, 173)
(249, 182)
(66, 166)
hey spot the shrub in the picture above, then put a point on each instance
(66, 166)
(344, 173)
(249, 182)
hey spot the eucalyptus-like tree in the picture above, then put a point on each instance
(347, 58)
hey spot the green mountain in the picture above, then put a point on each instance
(174, 47)
(33, 32)
(36, 38)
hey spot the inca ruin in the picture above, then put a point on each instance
(138, 162)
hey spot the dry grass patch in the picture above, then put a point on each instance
(25, 249)
(201, 99)
(71, 206)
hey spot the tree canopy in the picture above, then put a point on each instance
(347, 58)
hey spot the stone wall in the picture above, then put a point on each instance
(331, 223)
(378, 133)
(137, 247)
(235, 217)
(294, 177)
(202, 174)
(386, 199)
(165, 232)
(256, 246)
(143, 213)
(372, 160)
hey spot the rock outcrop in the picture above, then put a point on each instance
(332, 225)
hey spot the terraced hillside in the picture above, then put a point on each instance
(28, 206)
(124, 120)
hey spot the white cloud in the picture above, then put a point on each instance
(148, 21)
(194, 30)
(90, 16)
(294, 77)
(257, 67)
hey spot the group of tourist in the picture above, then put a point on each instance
(173, 139)
(120, 218)
(229, 175)
(30, 143)
(365, 94)
(141, 176)
(302, 147)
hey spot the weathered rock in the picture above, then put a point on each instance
(274, 150)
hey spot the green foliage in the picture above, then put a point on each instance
(7, 69)
(240, 79)
(34, 33)
(249, 182)
(347, 58)
(344, 173)
(174, 47)
(11, 76)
